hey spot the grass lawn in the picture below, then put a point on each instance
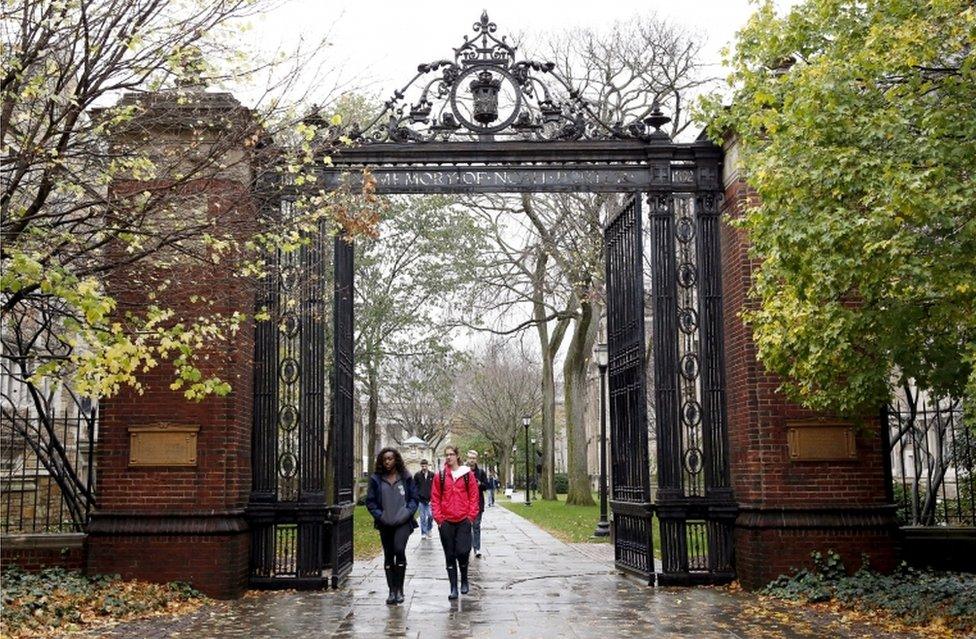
(568, 523)
(365, 538)
(573, 524)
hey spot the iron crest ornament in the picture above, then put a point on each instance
(485, 93)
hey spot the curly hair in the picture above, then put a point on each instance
(401, 468)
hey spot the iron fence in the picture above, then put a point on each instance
(47, 478)
(933, 461)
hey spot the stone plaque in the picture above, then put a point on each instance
(820, 441)
(163, 445)
(498, 179)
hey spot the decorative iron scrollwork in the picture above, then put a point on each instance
(485, 92)
(689, 341)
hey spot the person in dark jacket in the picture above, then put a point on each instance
(482, 477)
(424, 479)
(454, 500)
(392, 500)
(492, 487)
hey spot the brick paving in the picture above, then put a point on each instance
(528, 584)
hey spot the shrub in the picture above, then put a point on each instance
(914, 596)
(561, 480)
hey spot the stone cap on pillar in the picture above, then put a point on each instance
(181, 109)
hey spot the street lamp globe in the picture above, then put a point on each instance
(601, 354)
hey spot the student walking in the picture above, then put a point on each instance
(482, 477)
(454, 501)
(492, 487)
(424, 479)
(392, 500)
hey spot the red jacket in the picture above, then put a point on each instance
(457, 499)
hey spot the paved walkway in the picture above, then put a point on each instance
(528, 584)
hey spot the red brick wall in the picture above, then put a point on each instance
(788, 508)
(763, 555)
(216, 564)
(33, 557)
(217, 486)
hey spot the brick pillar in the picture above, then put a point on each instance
(162, 523)
(789, 508)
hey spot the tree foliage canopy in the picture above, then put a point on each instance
(107, 135)
(857, 127)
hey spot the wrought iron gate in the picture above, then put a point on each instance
(454, 129)
(341, 431)
(301, 535)
(693, 502)
(631, 502)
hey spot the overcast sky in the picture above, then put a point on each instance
(380, 43)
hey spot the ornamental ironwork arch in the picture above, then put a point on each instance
(485, 92)
(484, 122)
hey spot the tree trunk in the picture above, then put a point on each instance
(574, 376)
(504, 466)
(548, 487)
(373, 381)
(549, 347)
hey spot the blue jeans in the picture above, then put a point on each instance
(426, 518)
(476, 534)
(491, 496)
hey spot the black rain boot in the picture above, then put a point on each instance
(401, 575)
(391, 576)
(464, 578)
(452, 577)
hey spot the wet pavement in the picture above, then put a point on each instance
(527, 584)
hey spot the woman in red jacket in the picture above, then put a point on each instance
(455, 502)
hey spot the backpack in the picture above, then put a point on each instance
(443, 476)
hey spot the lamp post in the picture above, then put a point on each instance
(535, 472)
(526, 420)
(602, 360)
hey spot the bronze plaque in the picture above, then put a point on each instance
(819, 441)
(163, 445)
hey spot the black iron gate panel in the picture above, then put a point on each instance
(694, 500)
(722, 510)
(341, 444)
(631, 503)
(287, 509)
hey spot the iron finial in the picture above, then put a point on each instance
(657, 119)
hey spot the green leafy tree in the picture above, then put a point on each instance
(107, 135)
(407, 278)
(857, 128)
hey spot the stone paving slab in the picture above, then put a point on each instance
(528, 584)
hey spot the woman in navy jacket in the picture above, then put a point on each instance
(392, 499)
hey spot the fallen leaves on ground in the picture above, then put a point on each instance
(835, 615)
(934, 629)
(56, 602)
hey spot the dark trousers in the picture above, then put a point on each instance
(456, 540)
(394, 540)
